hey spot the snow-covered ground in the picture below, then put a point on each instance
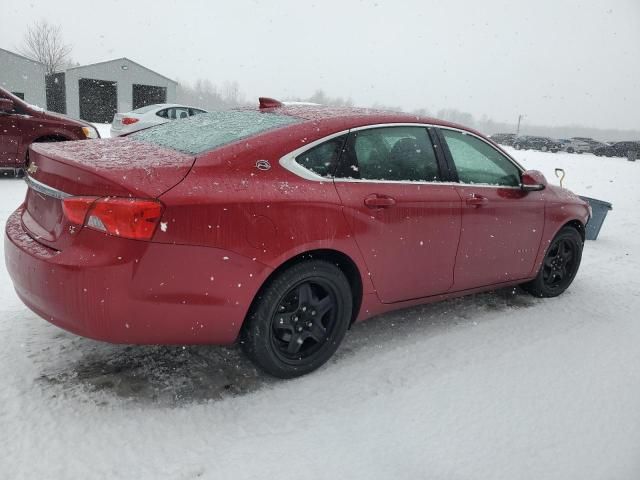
(493, 386)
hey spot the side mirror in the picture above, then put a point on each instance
(532, 181)
(6, 105)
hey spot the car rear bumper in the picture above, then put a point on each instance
(128, 291)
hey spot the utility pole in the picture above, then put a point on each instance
(520, 117)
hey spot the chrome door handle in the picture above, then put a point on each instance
(379, 201)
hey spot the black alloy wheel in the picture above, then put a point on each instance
(560, 264)
(299, 319)
(303, 320)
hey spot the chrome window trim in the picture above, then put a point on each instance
(288, 161)
(45, 189)
(411, 182)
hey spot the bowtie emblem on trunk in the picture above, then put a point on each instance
(32, 169)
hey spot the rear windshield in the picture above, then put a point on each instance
(207, 131)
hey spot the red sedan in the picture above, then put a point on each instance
(279, 227)
(22, 124)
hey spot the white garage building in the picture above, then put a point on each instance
(23, 77)
(91, 92)
(96, 92)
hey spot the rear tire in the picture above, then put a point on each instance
(560, 265)
(298, 320)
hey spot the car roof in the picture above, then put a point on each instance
(159, 106)
(340, 118)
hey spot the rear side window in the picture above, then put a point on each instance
(390, 153)
(478, 162)
(176, 113)
(207, 131)
(323, 159)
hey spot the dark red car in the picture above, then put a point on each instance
(22, 124)
(279, 227)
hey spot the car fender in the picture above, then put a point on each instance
(566, 208)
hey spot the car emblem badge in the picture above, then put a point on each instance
(263, 165)
(32, 169)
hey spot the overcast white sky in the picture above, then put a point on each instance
(558, 62)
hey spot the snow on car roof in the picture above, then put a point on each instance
(355, 115)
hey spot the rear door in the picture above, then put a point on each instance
(501, 224)
(406, 222)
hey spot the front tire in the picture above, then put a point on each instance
(560, 265)
(298, 320)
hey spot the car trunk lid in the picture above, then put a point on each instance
(110, 167)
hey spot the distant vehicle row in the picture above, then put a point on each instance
(618, 149)
(570, 145)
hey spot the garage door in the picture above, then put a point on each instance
(98, 100)
(144, 95)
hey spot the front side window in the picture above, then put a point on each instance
(323, 159)
(478, 162)
(390, 153)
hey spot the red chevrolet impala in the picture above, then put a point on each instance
(279, 227)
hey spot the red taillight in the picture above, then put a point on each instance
(76, 208)
(128, 120)
(123, 217)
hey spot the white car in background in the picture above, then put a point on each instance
(150, 116)
(575, 145)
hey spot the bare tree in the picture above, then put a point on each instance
(43, 42)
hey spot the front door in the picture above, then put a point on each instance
(501, 224)
(406, 223)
